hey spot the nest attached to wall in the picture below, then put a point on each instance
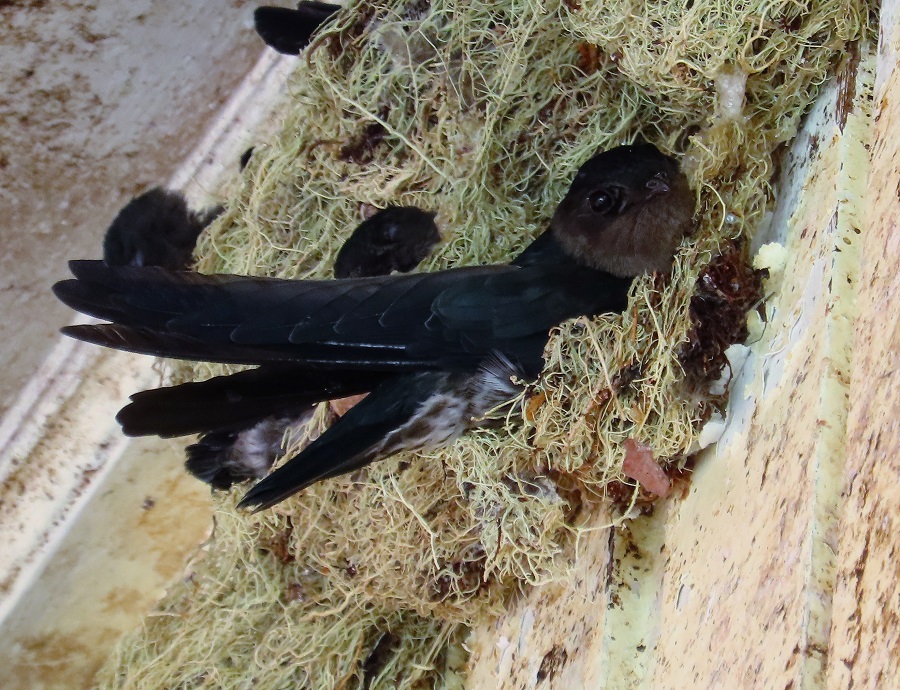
(481, 111)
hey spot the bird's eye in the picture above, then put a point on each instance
(604, 201)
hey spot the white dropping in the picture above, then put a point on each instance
(711, 432)
(731, 89)
(772, 256)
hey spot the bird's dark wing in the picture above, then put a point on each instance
(361, 436)
(146, 341)
(430, 320)
(238, 400)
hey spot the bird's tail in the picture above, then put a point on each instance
(239, 400)
(379, 426)
(223, 458)
(208, 459)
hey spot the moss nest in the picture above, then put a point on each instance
(480, 111)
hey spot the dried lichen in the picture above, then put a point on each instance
(481, 111)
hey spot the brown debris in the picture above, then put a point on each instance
(338, 43)
(279, 544)
(467, 578)
(533, 405)
(294, 591)
(627, 375)
(618, 493)
(680, 475)
(360, 148)
(726, 290)
(588, 58)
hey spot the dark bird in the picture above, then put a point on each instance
(441, 349)
(396, 238)
(156, 228)
(288, 31)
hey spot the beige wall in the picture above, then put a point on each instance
(864, 647)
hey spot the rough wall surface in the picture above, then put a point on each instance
(864, 651)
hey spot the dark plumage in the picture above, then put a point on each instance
(242, 417)
(242, 448)
(223, 458)
(289, 31)
(397, 238)
(156, 228)
(447, 344)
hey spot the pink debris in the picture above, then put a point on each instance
(641, 466)
(340, 406)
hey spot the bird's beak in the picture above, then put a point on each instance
(656, 186)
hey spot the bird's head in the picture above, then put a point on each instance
(626, 211)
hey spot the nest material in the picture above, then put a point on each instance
(481, 111)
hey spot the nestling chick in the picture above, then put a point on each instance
(289, 31)
(396, 238)
(155, 229)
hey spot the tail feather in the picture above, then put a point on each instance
(144, 341)
(155, 297)
(237, 400)
(251, 320)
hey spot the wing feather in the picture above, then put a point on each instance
(421, 321)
